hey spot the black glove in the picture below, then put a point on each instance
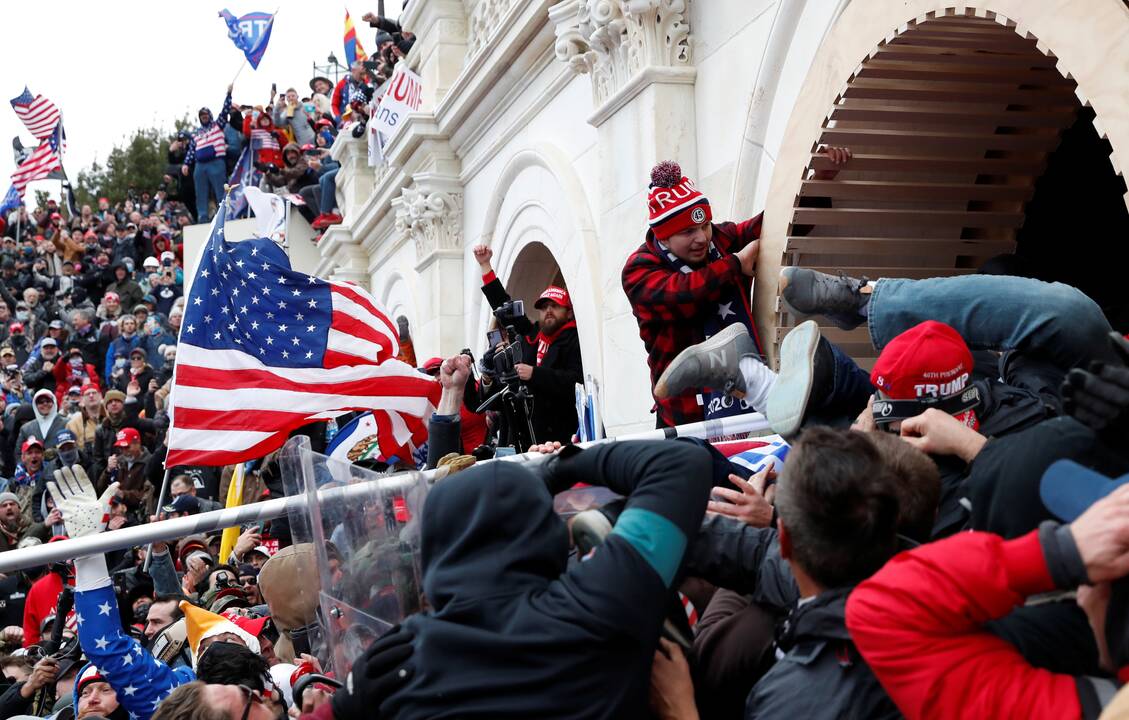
(383, 669)
(1099, 396)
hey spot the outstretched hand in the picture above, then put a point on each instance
(753, 505)
(84, 513)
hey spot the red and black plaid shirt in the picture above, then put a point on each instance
(670, 305)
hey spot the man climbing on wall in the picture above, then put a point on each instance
(690, 281)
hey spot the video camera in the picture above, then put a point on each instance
(515, 398)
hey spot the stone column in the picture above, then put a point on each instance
(440, 27)
(430, 215)
(638, 54)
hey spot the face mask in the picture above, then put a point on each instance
(119, 363)
(22, 315)
(69, 457)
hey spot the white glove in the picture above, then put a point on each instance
(83, 512)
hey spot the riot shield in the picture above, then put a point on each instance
(363, 527)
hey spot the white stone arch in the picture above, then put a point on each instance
(1086, 36)
(538, 198)
(395, 295)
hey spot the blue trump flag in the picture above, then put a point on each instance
(250, 33)
(10, 201)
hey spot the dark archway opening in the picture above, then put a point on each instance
(971, 147)
(1076, 227)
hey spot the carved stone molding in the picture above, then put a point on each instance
(614, 40)
(432, 220)
(485, 21)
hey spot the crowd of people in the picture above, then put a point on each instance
(947, 535)
(287, 140)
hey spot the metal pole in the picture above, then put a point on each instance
(160, 504)
(270, 509)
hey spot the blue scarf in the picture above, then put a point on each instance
(732, 307)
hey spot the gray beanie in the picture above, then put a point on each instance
(6, 496)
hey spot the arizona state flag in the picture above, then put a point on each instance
(353, 49)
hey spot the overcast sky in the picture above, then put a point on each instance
(115, 66)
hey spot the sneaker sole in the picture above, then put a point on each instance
(788, 398)
(786, 280)
(719, 340)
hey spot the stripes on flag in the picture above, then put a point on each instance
(265, 349)
(41, 163)
(38, 114)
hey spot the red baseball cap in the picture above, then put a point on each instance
(433, 364)
(90, 386)
(112, 296)
(554, 294)
(253, 626)
(31, 442)
(127, 436)
(930, 359)
(16, 326)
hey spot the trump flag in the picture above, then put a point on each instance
(250, 33)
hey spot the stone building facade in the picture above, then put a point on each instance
(541, 121)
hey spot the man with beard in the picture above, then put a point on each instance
(11, 521)
(550, 359)
(26, 483)
(134, 469)
(119, 415)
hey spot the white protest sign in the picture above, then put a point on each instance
(402, 96)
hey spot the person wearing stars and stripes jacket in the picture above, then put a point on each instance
(140, 680)
(207, 151)
(675, 298)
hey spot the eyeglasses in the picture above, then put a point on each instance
(253, 696)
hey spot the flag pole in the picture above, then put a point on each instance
(160, 504)
(175, 528)
(241, 66)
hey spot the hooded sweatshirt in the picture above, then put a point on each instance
(45, 427)
(515, 632)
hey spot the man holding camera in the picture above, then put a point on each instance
(550, 362)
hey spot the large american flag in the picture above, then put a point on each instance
(265, 349)
(38, 114)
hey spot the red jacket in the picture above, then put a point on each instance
(669, 304)
(42, 600)
(919, 623)
(265, 152)
(63, 379)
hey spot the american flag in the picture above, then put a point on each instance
(38, 114)
(265, 349)
(45, 159)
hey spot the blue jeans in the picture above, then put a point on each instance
(208, 175)
(994, 312)
(328, 185)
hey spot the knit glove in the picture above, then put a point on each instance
(84, 513)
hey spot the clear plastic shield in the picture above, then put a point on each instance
(364, 528)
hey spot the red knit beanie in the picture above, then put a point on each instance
(673, 201)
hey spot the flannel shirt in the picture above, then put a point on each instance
(670, 305)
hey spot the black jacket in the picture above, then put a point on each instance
(821, 674)
(515, 631)
(554, 380)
